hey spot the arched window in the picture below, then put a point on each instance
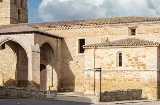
(120, 60)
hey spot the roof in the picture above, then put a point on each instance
(24, 29)
(123, 43)
(99, 21)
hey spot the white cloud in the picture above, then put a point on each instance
(55, 10)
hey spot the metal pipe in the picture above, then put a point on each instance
(94, 73)
(100, 85)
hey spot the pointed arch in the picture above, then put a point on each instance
(47, 58)
(14, 40)
(16, 62)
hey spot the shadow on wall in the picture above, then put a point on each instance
(16, 65)
(68, 78)
(28, 84)
(158, 85)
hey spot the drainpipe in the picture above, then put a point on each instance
(94, 71)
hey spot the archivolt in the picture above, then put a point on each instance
(14, 40)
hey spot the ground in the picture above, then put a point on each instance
(70, 98)
(61, 102)
(37, 102)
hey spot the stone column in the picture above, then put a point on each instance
(34, 74)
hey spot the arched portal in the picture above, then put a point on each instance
(14, 64)
(48, 76)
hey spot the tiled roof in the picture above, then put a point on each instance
(112, 20)
(123, 43)
(24, 29)
(99, 21)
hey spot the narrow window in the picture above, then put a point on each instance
(133, 31)
(18, 14)
(120, 59)
(81, 42)
(15, 1)
(21, 3)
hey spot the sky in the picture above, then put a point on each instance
(59, 10)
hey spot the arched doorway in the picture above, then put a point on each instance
(48, 76)
(14, 64)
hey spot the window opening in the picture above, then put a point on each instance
(81, 43)
(18, 14)
(133, 31)
(2, 46)
(120, 59)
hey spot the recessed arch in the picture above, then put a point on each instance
(48, 42)
(47, 58)
(14, 60)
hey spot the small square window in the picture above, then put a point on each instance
(81, 42)
(133, 31)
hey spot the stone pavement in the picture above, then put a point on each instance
(80, 97)
(72, 96)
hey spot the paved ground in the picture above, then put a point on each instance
(38, 102)
(139, 102)
(73, 99)
(60, 102)
(77, 97)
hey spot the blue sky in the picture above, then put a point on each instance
(33, 11)
(59, 10)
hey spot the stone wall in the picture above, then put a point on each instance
(120, 95)
(74, 64)
(23, 16)
(14, 92)
(138, 71)
(4, 13)
(9, 12)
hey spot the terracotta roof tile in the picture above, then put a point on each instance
(99, 21)
(24, 29)
(124, 42)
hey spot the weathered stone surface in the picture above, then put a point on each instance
(67, 70)
(120, 95)
(15, 92)
(9, 12)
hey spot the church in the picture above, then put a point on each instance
(63, 55)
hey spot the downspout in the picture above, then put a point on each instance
(94, 70)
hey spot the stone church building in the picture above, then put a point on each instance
(62, 55)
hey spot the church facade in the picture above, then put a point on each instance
(62, 55)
